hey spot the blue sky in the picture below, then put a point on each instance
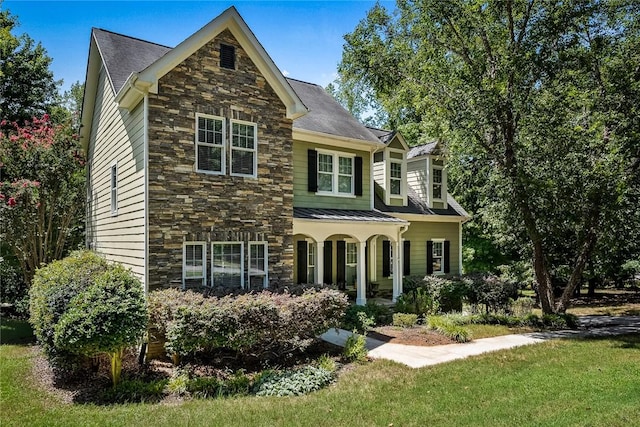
(304, 38)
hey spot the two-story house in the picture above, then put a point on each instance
(208, 168)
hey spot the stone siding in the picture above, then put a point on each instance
(188, 206)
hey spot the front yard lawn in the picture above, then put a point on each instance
(568, 383)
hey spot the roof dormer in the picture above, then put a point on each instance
(427, 174)
(390, 168)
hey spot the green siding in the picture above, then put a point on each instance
(303, 198)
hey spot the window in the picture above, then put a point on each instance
(258, 265)
(311, 262)
(352, 263)
(227, 264)
(210, 144)
(437, 183)
(395, 178)
(437, 259)
(227, 56)
(243, 149)
(194, 255)
(335, 174)
(114, 188)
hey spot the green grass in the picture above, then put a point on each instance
(558, 383)
(478, 331)
(15, 332)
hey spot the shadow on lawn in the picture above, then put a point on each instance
(16, 332)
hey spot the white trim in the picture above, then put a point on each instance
(335, 173)
(440, 241)
(145, 115)
(265, 282)
(213, 283)
(254, 150)
(113, 187)
(340, 142)
(222, 146)
(428, 218)
(203, 276)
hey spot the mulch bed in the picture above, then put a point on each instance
(417, 335)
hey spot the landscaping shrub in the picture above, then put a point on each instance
(522, 306)
(135, 391)
(106, 317)
(263, 325)
(417, 301)
(405, 320)
(448, 328)
(53, 288)
(491, 291)
(355, 349)
(363, 317)
(293, 382)
(448, 292)
(14, 290)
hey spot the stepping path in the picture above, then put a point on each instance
(419, 356)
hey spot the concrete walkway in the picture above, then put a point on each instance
(419, 356)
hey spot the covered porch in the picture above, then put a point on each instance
(342, 247)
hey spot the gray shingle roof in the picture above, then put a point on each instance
(326, 115)
(383, 135)
(422, 150)
(416, 205)
(123, 55)
(343, 215)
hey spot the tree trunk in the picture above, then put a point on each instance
(576, 275)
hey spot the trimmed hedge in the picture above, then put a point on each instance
(264, 325)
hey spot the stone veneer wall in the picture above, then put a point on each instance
(189, 206)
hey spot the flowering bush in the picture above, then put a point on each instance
(263, 324)
(42, 192)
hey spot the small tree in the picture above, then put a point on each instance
(41, 192)
(107, 317)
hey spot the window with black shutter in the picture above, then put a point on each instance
(302, 261)
(328, 261)
(447, 259)
(312, 170)
(227, 57)
(341, 262)
(406, 258)
(358, 176)
(386, 258)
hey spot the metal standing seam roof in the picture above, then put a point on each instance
(344, 215)
(416, 205)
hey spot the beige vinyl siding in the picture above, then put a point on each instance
(418, 234)
(378, 174)
(117, 135)
(417, 177)
(303, 198)
(396, 144)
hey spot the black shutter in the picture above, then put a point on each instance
(302, 261)
(386, 258)
(429, 257)
(227, 56)
(312, 170)
(341, 261)
(447, 246)
(406, 258)
(358, 176)
(328, 261)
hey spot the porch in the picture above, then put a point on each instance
(350, 249)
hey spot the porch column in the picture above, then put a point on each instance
(397, 269)
(361, 276)
(320, 262)
(373, 256)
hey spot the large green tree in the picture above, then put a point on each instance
(27, 86)
(540, 98)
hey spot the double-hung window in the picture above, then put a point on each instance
(210, 146)
(395, 178)
(227, 264)
(437, 183)
(335, 174)
(258, 265)
(244, 144)
(437, 259)
(311, 262)
(194, 261)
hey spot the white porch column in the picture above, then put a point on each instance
(397, 269)
(373, 255)
(320, 262)
(361, 276)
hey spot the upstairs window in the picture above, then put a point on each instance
(244, 153)
(210, 152)
(335, 174)
(227, 57)
(395, 178)
(437, 183)
(114, 188)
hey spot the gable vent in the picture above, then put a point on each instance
(227, 56)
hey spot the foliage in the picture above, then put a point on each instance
(405, 320)
(537, 105)
(491, 291)
(355, 348)
(135, 391)
(263, 325)
(361, 318)
(327, 363)
(523, 306)
(13, 288)
(417, 301)
(106, 317)
(26, 83)
(41, 193)
(293, 382)
(448, 328)
(53, 288)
